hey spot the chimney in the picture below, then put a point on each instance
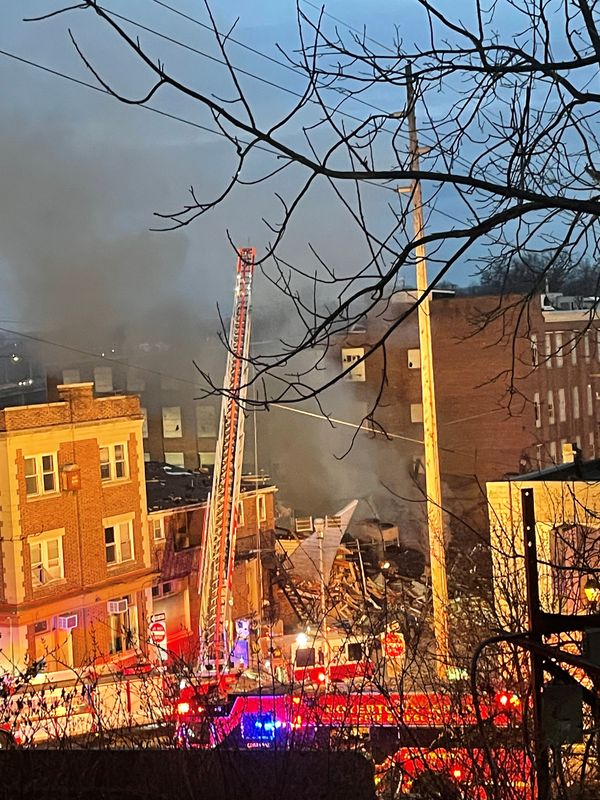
(80, 397)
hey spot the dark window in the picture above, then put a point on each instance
(305, 657)
(355, 652)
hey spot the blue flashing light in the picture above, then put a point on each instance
(258, 727)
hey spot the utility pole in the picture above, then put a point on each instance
(433, 488)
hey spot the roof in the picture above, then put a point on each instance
(571, 471)
(169, 487)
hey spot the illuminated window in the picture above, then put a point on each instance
(553, 452)
(590, 400)
(548, 348)
(414, 359)
(118, 542)
(207, 459)
(113, 462)
(351, 355)
(41, 475)
(46, 561)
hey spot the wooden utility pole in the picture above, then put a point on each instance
(433, 488)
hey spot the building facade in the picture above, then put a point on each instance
(75, 556)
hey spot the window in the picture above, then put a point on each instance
(553, 452)
(144, 423)
(534, 350)
(103, 379)
(171, 422)
(558, 349)
(70, 376)
(349, 356)
(261, 508)
(135, 380)
(240, 514)
(562, 405)
(548, 346)
(147, 457)
(206, 422)
(551, 417)
(539, 456)
(207, 459)
(573, 345)
(175, 459)
(305, 657)
(536, 408)
(586, 345)
(46, 561)
(41, 475)
(414, 359)
(158, 531)
(355, 651)
(113, 462)
(416, 412)
(118, 542)
(575, 402)
(590, 400)
(592, 442)
(123, 628)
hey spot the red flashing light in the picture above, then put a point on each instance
(457, 773)
(506, 699)
(183, 708)
(321, 677)
(503, 699)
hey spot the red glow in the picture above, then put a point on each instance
(457, 773)
(321, 676)
(183, 708)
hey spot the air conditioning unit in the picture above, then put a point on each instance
(117, 606)
(66, 622)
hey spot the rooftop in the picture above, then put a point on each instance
(169, 487)
(577, 470)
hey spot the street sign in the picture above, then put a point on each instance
(393, 645)
(158, 637)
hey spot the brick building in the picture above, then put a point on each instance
(75, 557)
(177, 506)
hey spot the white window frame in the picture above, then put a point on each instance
(592, 442)
(586, 345)
(349, 356)
(103, 380)
(241, 517)
(122, 535)
(171, 422)
(206, 458)
(124, 628)
(175, 458)
(44, 569)
(575, 402)
(414, 358)
(40, 472)
(416, 413)
(114, 461)
(144, 422)
(548, 346)
(562, 406)
(261, 508)
(590, 399)
(207, 421)
(573, 344)
(553, 453)
(537, 410)
(551, 413)
(534, 350)
(158, 528)
(558, 339)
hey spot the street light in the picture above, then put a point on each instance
(591, 589)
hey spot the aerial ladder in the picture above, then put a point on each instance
(218, 547)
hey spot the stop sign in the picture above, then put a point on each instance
(393, 645)
(158, 632)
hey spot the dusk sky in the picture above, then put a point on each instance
(84, 174)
